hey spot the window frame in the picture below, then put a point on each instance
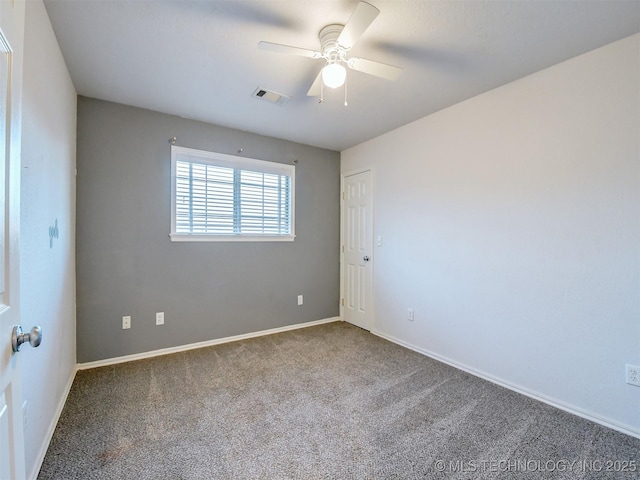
(237, 163)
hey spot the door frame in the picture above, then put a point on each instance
(12, 24)
(343, 175)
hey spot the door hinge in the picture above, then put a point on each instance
(342, 302)
(342, 248)
(343, 195)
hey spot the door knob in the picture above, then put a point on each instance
(366, 258)
(34, 337)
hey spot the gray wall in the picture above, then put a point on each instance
(127, 265)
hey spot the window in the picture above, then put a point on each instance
(217, 197)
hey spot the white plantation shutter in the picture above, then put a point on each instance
(222, 197)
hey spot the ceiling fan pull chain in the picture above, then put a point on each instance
(321, 92)
(345, 92)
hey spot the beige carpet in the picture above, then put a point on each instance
(330, 402)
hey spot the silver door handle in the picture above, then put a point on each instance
(366, 258)
(34, 337)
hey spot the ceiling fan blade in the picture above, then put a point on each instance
(360, 19)
(316, 88)
(276, 47)
(377, 69)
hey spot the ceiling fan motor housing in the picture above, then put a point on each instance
(330, 48)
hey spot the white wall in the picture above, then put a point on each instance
(511, 224)
(48, 194)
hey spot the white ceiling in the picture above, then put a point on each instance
(199, 59)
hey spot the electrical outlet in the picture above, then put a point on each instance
(300, 300)
(410, 314)
(159, 318)
(633, 375)
(126, 322)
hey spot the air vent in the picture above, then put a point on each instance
(270, 96)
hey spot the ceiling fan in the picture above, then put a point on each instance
(335, 42)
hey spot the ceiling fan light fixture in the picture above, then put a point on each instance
(334, 75)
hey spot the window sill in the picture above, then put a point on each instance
(181, 237)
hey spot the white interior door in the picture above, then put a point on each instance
(11, 427)
(357, 236)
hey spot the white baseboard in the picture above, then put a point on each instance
(208, 343)
(626, 429)
(52, 427)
